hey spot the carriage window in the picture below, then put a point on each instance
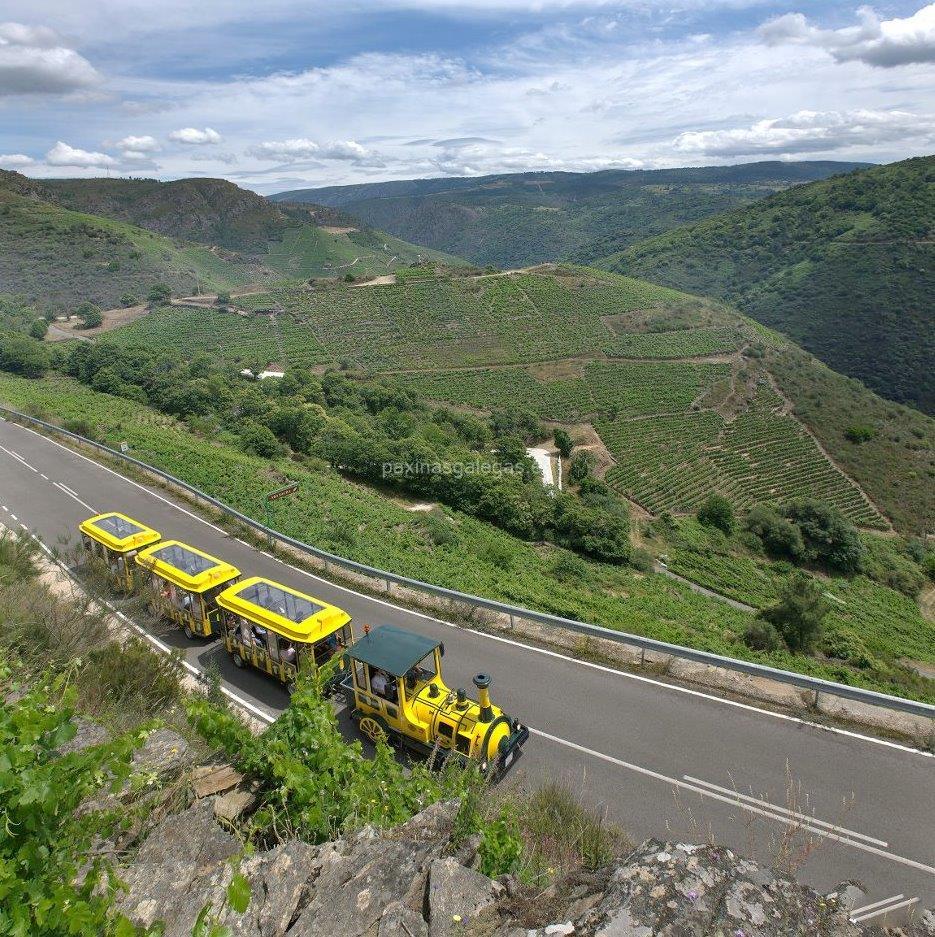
(187, 561)
(446, 729)
(274, 599)
(118, 527)
(360, 676)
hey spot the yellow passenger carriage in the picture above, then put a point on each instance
(396, 693)
(115, 539)
(278, 630)
(184, 583)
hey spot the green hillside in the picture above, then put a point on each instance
(525, 218)
(291, 240)
(56, 258)
(845, 267)
(687, 396)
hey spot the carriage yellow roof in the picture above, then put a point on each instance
(118, 532)
(186, 566)
(286, 611)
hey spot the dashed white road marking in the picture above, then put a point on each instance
(675, 688)
(733, 802)
(791, 814)
(19, 458)
(876, 904)
(859, 919)
(71, 494)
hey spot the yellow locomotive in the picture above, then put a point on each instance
(395, 693)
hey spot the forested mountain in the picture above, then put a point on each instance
(845, 266)
(63, 242)
(523, 218)
(57, 258)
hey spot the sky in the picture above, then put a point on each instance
(283, 94)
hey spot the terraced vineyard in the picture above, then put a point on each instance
(766, 454)
(661, 460)
(685, 343)
(569, 346)
(244, 340)
(599, 387)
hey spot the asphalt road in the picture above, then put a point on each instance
(659, 760)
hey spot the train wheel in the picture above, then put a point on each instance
(187, 630)
(373, 729)
(238, 661)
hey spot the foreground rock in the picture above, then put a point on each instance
(415, 882)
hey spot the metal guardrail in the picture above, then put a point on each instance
(813, 684)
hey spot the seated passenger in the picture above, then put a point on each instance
(287, 652)
(378, 683)
(259, 636)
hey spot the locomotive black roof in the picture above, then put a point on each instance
(392, 649)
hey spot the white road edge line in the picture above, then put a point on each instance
(493, 637)
(894, 907)
(791, 814)
(160, 645)
(876, 904)
(71, 494)
(733, 802)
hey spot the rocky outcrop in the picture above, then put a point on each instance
(415, 882)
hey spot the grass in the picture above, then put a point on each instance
(350, 519)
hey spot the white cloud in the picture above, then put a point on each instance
(15, 160)
(302, 149)
(884, 43)
(809, 132)
(33, 61)
(285, 151)
(132, 144)
(64, 155)
(192, 136)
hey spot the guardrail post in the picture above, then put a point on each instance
(512, 622)
(388, 585)
(642, 657)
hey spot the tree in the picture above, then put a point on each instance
(38, 329)
(564, 443)
(828, 537)
(22, 355)
(224, 298)
(259, 439)
(799, 613)
(582, 464)
(779, 536)
(90, 315)
(716, 511)
(159, 295)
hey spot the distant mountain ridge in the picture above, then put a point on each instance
(523, 218)
(844, 266)
(65, 241)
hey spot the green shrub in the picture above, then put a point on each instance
(799, 613)
(828, 537)
(641, 560)
(859, 432)
(716, 511)
(564, 443)
(778, 536)
(130, 679)
(760, 635)
(48, 885)
(570, 568)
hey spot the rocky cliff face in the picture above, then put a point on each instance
(418, 881)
